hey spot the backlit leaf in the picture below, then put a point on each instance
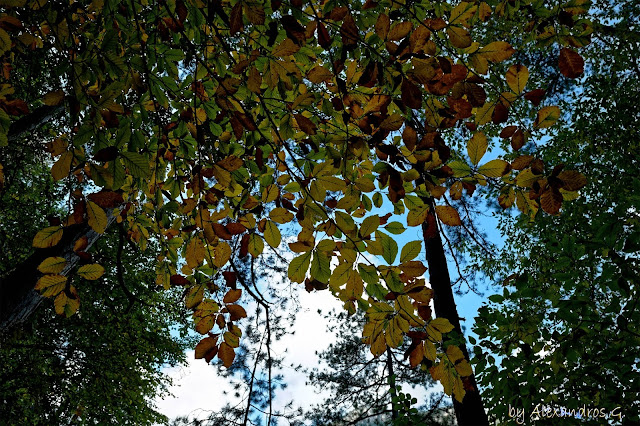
(91, 272)
(48, 237)
(272, 234)
(410, 251)
(52, 265)
(570, 63)
(494, 168)
(517, 77)
(298, 267)
(547, 117)
(448, 215)
(477, 147)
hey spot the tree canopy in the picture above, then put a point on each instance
(216, 132)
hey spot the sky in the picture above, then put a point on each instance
(198, 389)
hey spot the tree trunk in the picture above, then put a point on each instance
(471, 410)
(18, 299)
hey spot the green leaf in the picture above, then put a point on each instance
(298, 267)
(389, 248)
(320, 267)
(272, 234)
(410, 251)
(256, 245)
(369, 225)
(395, 228)
(368, 273)
(137, 164)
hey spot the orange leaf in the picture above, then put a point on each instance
(226, 354)
(570, 63)
(232, 296)
(448, 215)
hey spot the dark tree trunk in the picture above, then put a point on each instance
(18, 299)
(471, 410)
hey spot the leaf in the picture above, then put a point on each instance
(5, 42)
(280, 215)
(570, 63)
(547, 117)
(51, 285)
(52, 265)
(137, 164)
(320, 267)
(441, 324)
(459, 37)
(496, 51)
(232, 296)
(286, 48)
(207, 348)
(551, 201)
(410, 251)
(256, 245)
(297, 270)
(517, 77)
(53, 98)
(221, 254)
(400, 31)
(48, 237)
(65, 304)
(389, 248)
(318, 74)
(306, 125)
(494, 168)
(395, 228)
(448, 215)
(572, 180)
(272, 234)
(393, 122)
(411, 94)
(91, 272)
(235, 19)
(62, 167)
(382, 26)
(194, 296)
(106, 199)
(194, 253)
(226, 352)
(236, 312)
(369, 225)
(476, 148)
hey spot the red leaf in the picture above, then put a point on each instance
(411, 95)
(235, 21)
(106, 199)
(349, 31)
(535, 96)
(323, 36)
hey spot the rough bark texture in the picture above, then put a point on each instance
(471, 410)
(34, 120)
(18, 299)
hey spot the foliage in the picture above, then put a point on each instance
(358, 384)
(564, 330)
(206, 126)
(103, 366)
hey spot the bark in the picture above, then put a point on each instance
(18, 299)
(471, 410)
(34, 120)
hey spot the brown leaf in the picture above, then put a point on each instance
(570, 63)
(226, 354)
(235, 19)
(535, 96)
(236, 312)
(305, 124)
(508, 131)
(207, 348)
(232, 296)
(448, 215)
(411, 95)
(551, 201)
(349, 31)
(106, 199)
(400, 31)
(324, 39)
(518, 140)
(221, 231)
(572, 180)
(382, 26)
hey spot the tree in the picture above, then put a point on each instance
(366, 390)
(568, 315)
(207, 126)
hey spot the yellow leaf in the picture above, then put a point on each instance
(462, 13)
(547, 117)
(393, 122)
(270, 193)
(281, 215)
(484, 113)
(298, 267)
(400, 31)
(393, 333)
(441, 324)
(272, 234)
(494, 168)
(232, 296)
(517, 77)
(454, 354)
(194, 296)
(62, 167)
(332, 183)
(66, 305)
(477, 147)
(459, 37)
(195, 252)
(97, 217)
(52, 265)
(91, 272)
(51, 285)
(221, 254)
(448, 215)
(48, 237)
(458, 389)
(496, 51)
(201, 115)
(430, 350)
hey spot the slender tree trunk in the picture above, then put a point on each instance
(471, 410)
(392, 385)
(18, 299)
